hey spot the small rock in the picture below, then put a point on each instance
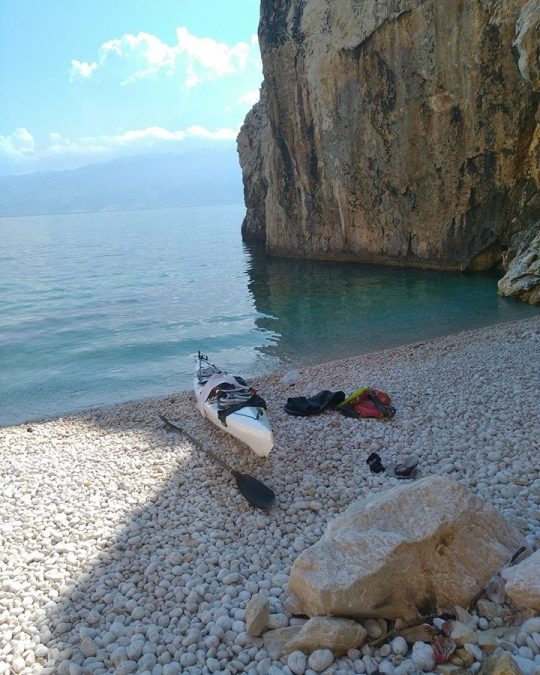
(527, 667)
(328, 632)
(125, 667)
(371, 665)
(495, 590)
(422, 633)
(462, 658)
(321, 659)
(504, 665)
(462, 633)
(523, 582)
(297, 662)
(535, 637)
(275, 641)
(292, 604)
(232, 578)
(487, 639)
(277, 621)
(464, 616)
(406, 667)
(531, 625)
(474, 650)
(423, 656)
(172, 668)
(18, 664)
(88, 647)
(41, 651)
(188, 659)
(257, 615)
(373, 628)
(487, 608)
(399, 646)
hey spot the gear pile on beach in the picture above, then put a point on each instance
(364, 402)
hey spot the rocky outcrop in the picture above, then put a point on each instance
(411, 551)
(401, 132)
(522, 259)
(251, 142)
(522, 280)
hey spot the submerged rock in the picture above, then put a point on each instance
(404, 553)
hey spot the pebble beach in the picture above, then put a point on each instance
(123, 549)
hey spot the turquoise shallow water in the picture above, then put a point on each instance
(101, 308)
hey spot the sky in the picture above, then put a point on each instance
(83, 82)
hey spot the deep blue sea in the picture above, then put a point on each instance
(100, 308)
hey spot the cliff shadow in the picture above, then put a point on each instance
(183, 547)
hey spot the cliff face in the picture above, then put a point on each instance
(522, 257)
(400, 132)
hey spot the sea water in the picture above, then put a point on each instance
(99, 308)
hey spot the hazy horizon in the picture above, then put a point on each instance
(196, 177)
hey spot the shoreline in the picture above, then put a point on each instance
(266, 375)
(124, 549)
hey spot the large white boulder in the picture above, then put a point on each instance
(407, 552)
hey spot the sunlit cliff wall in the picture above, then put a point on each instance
(395, 131)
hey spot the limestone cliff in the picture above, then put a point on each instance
(394, 131)
(522, 258)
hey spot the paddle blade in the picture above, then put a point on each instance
(257, 494)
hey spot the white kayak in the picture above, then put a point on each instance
(225, 400)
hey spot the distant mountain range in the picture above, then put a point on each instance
(203, 177)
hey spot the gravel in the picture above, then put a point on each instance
(123, 549)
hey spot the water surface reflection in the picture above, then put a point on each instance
(319, 311)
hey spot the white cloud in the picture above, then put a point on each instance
(214, 58)
(135, 57)
(81, 70)
(18, 144)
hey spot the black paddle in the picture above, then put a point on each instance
(256, 493)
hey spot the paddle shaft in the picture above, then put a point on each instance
(255, 492)
(198, 444)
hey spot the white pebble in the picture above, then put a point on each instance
(399, 646)
(474, 650)
(297, 662)
(371, 664)
(321, 659)
(423, 656)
